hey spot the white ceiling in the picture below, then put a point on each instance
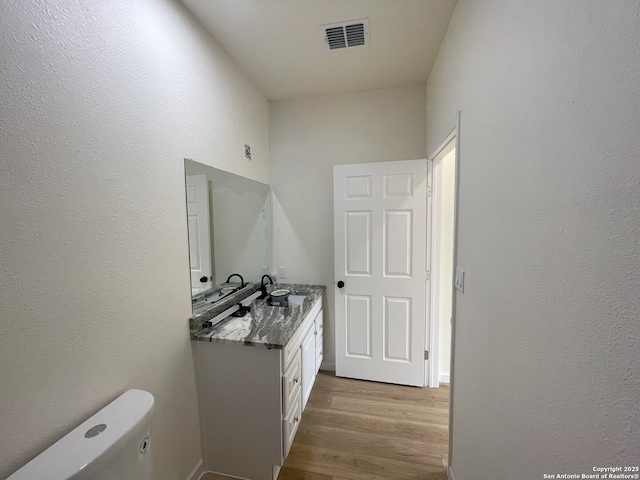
(279, 43)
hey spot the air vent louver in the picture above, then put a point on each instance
(354, 33)
(336, 38)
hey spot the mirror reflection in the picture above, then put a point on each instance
(229, 222)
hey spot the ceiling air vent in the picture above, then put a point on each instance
(354, 33)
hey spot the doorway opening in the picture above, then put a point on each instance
(443, 199)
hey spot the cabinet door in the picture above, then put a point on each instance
(308, 348)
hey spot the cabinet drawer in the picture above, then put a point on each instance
(291, 382)
(290, 350)
(291, 422)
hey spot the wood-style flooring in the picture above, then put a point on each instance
(353, 429)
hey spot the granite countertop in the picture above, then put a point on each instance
(264, 325)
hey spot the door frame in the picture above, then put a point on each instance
(454, 134)
(435, 284)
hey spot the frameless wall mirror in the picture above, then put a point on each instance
(229, 222)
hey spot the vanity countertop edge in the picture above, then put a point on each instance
(265, 325)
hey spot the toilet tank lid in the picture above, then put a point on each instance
(125, 417)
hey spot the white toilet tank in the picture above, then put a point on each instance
(114, 444)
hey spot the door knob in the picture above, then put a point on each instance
(203, 279)
(340, 284)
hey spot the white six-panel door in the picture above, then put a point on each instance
(380, 252)
(199, 233)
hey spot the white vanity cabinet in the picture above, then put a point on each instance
(251, 399)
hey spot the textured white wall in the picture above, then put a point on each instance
(310, 136)
(547, 365)
(99, 103)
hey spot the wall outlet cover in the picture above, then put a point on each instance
(282, 272)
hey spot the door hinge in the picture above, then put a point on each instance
(427, 275)
(428, 192)
(426, 354)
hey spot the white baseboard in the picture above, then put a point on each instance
(226, 475)
(331, 366)
(197, 471)
(443, 378)
(450, 474)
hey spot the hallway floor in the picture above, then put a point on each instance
(353, 429)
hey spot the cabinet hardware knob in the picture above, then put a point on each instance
(203, 279)
(297, 419)
(340, 284)
(295, 380)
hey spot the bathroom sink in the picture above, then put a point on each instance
(296, 300)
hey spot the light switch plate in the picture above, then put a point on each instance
(282, 272)
(459, 281)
